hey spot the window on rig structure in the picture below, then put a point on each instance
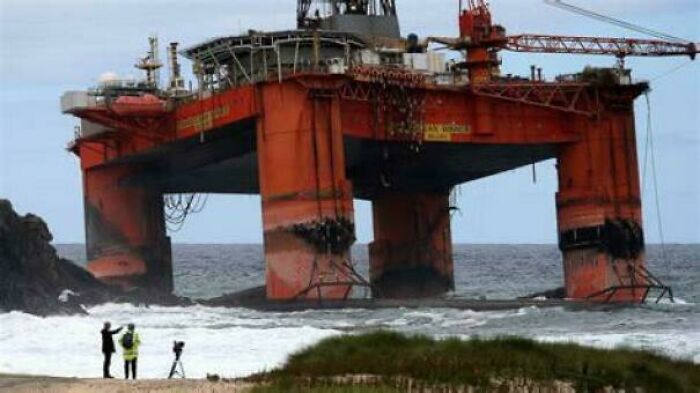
(308, 9)
(371, 18)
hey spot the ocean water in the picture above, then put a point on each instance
(236, 342)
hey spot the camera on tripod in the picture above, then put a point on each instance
(177, 368)
(178, 346)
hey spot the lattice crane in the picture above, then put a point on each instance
(482, 39)
(618, 47)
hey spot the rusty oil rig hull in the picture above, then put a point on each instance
(343, 108)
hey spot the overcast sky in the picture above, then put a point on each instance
(49, 46)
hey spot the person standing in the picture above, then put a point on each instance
(108, 348)
(130, 342)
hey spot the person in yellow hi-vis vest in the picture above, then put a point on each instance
(130, 342)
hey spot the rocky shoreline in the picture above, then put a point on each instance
(34, 279)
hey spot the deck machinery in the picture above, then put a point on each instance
(342, 108)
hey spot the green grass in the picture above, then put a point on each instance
(477, 362)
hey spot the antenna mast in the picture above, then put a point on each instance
(151, 63)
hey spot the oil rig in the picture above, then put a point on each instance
(344, 107)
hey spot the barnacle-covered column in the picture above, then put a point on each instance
(307, 201)
(411, 256)
(600, 211)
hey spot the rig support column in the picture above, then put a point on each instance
(411, 256)
(307, 201)
(125, 231)
(600, 213)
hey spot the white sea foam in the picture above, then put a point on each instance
(676, 301)
(215, 342)
(676, 345)
(65, 295)
(238, 342)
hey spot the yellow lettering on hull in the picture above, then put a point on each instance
(203, 121)
(443, 132)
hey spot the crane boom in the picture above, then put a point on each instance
(619, 47)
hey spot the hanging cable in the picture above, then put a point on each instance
(179, 206)
(614, 21)
(650, 157)
(671, 71)
(455, 194)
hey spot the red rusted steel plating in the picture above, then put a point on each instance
(306, 192)
(599, 209)
(126, 239)
(307, 201)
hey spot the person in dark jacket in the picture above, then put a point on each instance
(108, 348)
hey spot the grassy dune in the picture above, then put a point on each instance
(456, 362)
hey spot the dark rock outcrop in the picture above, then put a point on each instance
(34, 279)
(32, 275)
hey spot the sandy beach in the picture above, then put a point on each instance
(38, 384)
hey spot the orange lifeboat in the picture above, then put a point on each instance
(146, 105)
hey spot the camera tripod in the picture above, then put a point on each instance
(177, 369)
